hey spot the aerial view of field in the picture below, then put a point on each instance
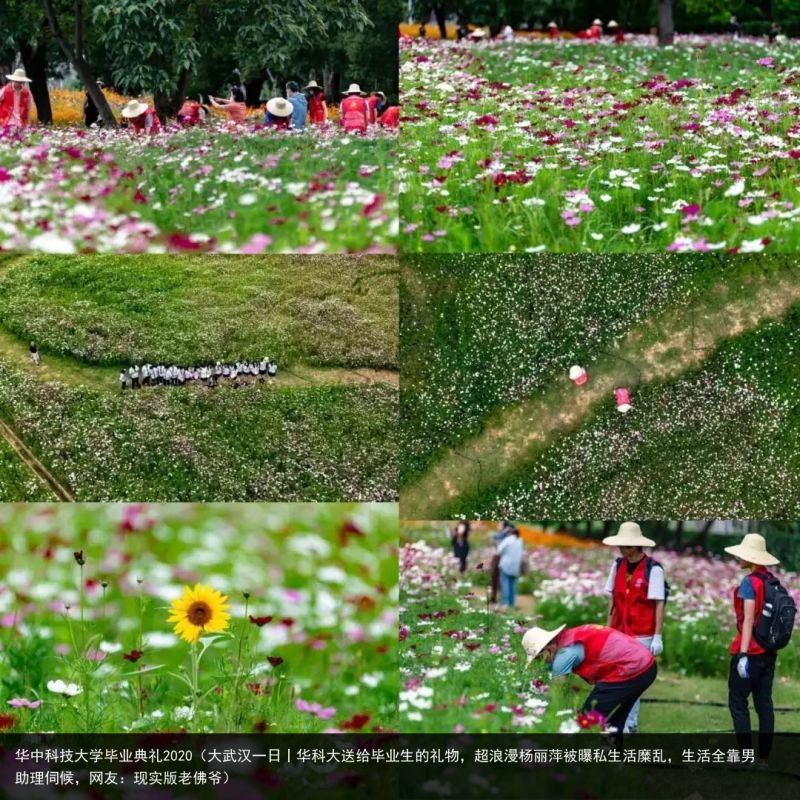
(705, 349)
(71, 428)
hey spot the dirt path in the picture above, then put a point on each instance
(33, 463)
(664, 347)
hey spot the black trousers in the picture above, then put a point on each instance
(615, 700)
(759, 684)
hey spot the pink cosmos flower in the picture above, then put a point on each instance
(21, 702)
(315, 708)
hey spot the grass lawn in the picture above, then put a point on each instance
(17, 482)
(571, 147)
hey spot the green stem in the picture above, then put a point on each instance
(238, 685)
(83, 620)
(195, 681)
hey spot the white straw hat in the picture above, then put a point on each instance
(279, 107)
(753, 549)
(312, 85)
(612, 24)
(551, 25)
(536, 639)
(597, 22)
(354, 88)
(575, 372)
(134, 109)
(629, 535)
(19, 76)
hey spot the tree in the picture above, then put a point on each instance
(666, 27)
(73, 52)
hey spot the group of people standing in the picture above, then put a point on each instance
(137, 376)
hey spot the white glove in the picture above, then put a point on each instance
(657, 645)
(743, 668)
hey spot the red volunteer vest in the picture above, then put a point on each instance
(633, 613)
(372, 103)
(608, 655)
(355, 113)
(738, 609)
(139, 122)
(316, 108)
(7, 105)
(391, 117)
(189, 113)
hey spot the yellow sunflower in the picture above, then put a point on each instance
(198, 611)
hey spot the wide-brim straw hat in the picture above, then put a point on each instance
(629, 535)
(18, 76)
(312, 85)
(134, 109)
(597, 22)
(551, 25)
(612, 24)
(536, 639)
(380, 94)
(480, 32)
(575, 372)
(354, 88)
(279, 107)
(753, 549)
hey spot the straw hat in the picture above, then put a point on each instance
(279, 107)
(380, 94)
(312, 85)
(575, 372)
(597, 22)
(480, 32)
(753, 549)
(354, 88)
(612, 24)
(134, 109)
(629, 535)
(19, 76)
(551, 25)
(536, 639)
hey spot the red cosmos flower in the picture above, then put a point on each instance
(795, 154)
(403, 633)
(260, 726)
(139, 197)
(287, 621)
(590, 719)
(276, 661)
(5, 175)
(472, 645)
(373, 205)
(79, 559)
(347, 530)
(487, 121)
(260, 621)
(355, 723)
(490, 707)
(7, 721)
(690, 211)
(133, 656)
(179, 241)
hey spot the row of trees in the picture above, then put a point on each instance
(178, 48)
(697, 16)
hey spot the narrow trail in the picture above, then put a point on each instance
(34, 465)
(663, 348)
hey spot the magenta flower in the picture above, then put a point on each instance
(314, 708)
(21, 702)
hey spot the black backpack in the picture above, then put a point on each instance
(648, 568)
(773, 628)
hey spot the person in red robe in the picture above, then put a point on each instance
(552, 30)
(595, 33)
(141, 117)
(354, 110)
(15, 101)
(317, 107)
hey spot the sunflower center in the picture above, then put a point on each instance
(199, 613)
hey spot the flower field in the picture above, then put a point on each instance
(462, 664)
(571, 146)
(708, 347)
(250, 190)
(331, 326)
(292, 614)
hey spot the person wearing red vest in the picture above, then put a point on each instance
(596, 31)
(317, 108)
(191, 113)
(376, 102)
(619, 34)
(752, 668)
(354, 110)
(390, 118)
(618, 668)
(141, 117)
(552, 30)
(637, 592)
(15, 101)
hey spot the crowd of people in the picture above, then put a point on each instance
(617, 656)
(237, 374)
(358, 110)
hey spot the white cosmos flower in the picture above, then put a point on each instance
(67, 689)
(51, 243)
(751, 246)
(735, 190)
(634, 227)
(569, 726)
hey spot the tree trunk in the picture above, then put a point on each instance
(253, 89)
(82, 67)
(441, 20)
(34, 59)
(666, 28)
(168, 105)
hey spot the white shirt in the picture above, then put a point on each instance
(510, 550)
(655, 588)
